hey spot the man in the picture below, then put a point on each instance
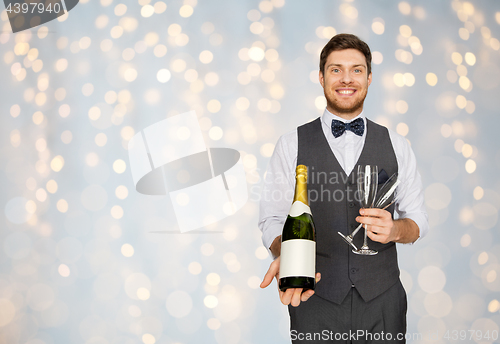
(359, 298)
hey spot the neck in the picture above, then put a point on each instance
(345, 115)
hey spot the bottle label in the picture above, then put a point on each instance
(298, 258)
(298, 208)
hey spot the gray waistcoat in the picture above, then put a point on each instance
(334, 208)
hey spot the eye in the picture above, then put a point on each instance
(335, 70)
(357, 71)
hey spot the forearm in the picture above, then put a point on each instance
(276, 246)
(406, 231)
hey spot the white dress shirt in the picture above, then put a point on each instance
(279, 181)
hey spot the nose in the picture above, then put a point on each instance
(346, 78)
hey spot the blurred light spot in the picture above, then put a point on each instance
(463, 33)
(191, 75)
(467, 150)
(456, 58)
(482, 258)
(464, 83)
(446, 130)
(377, 57)
(242, 103)
(213, 323)
(186, 11)
(261, 253)
(470, 58)
(116, 32)
(405, 31)
(119, 166)
(431, 279)
(120, 9)
(174, 30)
(15, 110)
(378, 26)
(210, 301)
(256, 28)
(179, 304)
(402, 129)
(194, 268)
(57, 163)
(470, 166)
(134, 311)
(437, 196)
(478, 193)
(163, 75)
(320, 102)
(160, 50)
(143, 294)
(211, 79)
(470, 107)
(244, 78)
(101, 139)
(121, 192)
(15, 138)
(207, 28)
(207, 249)
(438, 304)
(106, 45)
(494, 306)
(267, 149)
(130, 74)
(64, 110)
(116, 212)
(148, 338)
(63, 270)
(404, 8)
(8, 312)
(62, 205)
(401, 107)
(461, 101)
(256, 53)
(147, 11)
(92, 159)
(465, 240)
(213, 279)
(213, 106)
(215, 133)
(51, 186)
(431, 79)
(178, 65)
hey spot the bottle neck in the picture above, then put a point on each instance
(301, 189)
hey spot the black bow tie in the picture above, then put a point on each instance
(357, 127)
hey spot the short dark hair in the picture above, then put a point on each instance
(344, 41)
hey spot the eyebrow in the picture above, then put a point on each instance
(339, 65)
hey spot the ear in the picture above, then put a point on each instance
(321, 79)
(369, 79)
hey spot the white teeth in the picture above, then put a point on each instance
(345, 91)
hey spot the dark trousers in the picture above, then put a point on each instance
(381, 320)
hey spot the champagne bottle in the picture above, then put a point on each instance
(298, 245)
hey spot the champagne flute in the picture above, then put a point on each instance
(367, 188)
(383, 201)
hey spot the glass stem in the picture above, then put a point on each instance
(365, 242)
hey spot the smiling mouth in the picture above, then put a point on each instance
(347, 92)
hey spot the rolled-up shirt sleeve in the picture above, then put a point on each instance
(409, 195)
(277, 191)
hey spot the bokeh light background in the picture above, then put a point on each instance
(84, 258)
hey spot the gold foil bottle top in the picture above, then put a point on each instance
(301, 170)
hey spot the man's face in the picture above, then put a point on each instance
(345, 82)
